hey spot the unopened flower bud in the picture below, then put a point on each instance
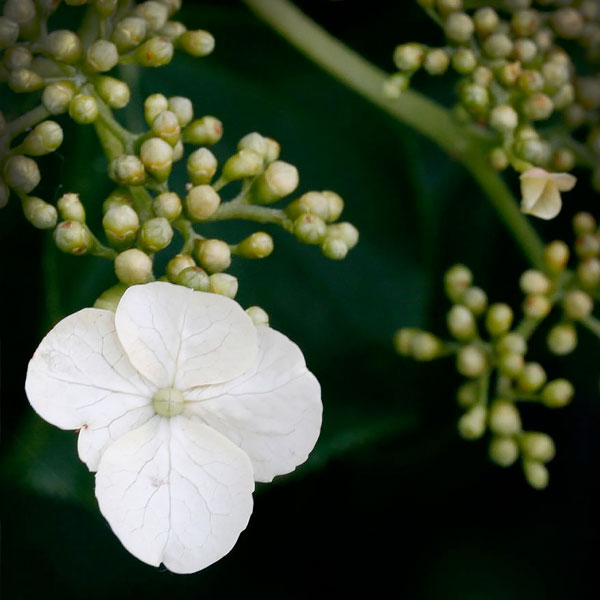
(278, 180)
(64, 45)
(157, 158)
(244, 163)
(498, 319)
(71, 208)
(121, 224)
(471, 361)
(21, 173)
(196, 43)
(224, 284)
(464, 61)
(562, 339)
(83, 109)
(532, 377)
(512, 342)
(314, 203)
(344, 231)
(154, 13)
(153, 106)
(23, 81)
(166, 126)
(587, 245)
(537, 446)
(20, 11)
(471, 425)
(182, 108)
(155, 52)
(436, 61)
(172, 30)
(536, 306)
(201, 166)
(510, 364)
(467, 394)
(102, 56)
(558, 393)
(213, 255)
(584, 222)
(475, 97)
(537, 106)
(167, 205)
(155, 234)
(504, 418)
(577, 304)
(310, 229)
(409, 57)
(73, 237)
(403, 339)
(193, 277)
(109, 299)
(498, 159)
(207, 130)
(425, 346)
(475, 299)
(567, 22)
(257, 245)
(118, 197)
(177, 264)
(456, 281)
(504, 451)
(334, 248)
(485, 20)
(127, 169)
(556, 255)
(459, 27)
(17, 57)
(525, 50)
(9, 32)
(133, 266)
(201, 202)
(273, 150)
(113, 91)
(44, 138)
(498, 45)
(129, 33)
(254, 141)
(588, 272)
(461, 323)
(536, 474)
(105, 8)
(39, 213)
(504, 118)
(258, 315)
(57, 96)
(178, 151)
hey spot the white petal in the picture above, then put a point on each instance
(272, 412)
(80, 377)
(181, 338)
(177, 492)
(564, 181)
(548, 204)
(533, 183)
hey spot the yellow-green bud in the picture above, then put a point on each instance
(577, 304)
(525, 22)
(464, 61)
(153, 106)
(273, 150)
(213, 255)
(504, 451)
(504, 418)
(166, 126)
(456, 281)
(20, 11)
(425, 346)
(133, 266)
(498, 45)
(21, 173)
(224, 284)
(532, 377)
(202, 202)
(471, 361)
(129, 33)
(205, 131)
(24, 80)
(244, 163)
(409, 57)
(201, 166)
(436, 61)
(345, 232)
(101, 56)
(536, 306)
(127, 169)
(39, 213)
(467, 394)
(512, 342)
(167, 205)
(196, 43)
(172, 30)
(588, 272)
(537, 446)
(73, 237)
(105, 8)
(118, 197)
(511, 364)
(403, 339)
(558, 393)
(562, 339)
(459, 27)
(498, 159)
(154, 13)
(461, 323)
(536, 474)
(538, 106)
(556, 255)
(584, 222)
(157, 158)
(83, 109)
(471, 425)
(194, 278)
(178, 151)
(71, 208)
(258, 315)
(253, 141)
(485, 20)
(278, 180)
(64, 45)
(567, 22)
(155, 234)
(57, 96)
(172, 5)
(525, 50)
(334, 248)
(587, 245)
(17, 57)
(310, 229)
(44, 138)
(109, 299)
(335, 204)
(257, 245)
(9, 32)
(475, 299)
(156, 52)
(534, 282)
(121, 224)
(314, 203)
(498, 319)
(177, 264)
(504, 118)
(182, 108)
(113, 91)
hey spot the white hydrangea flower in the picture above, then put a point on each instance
(181, 404)
(540, 192)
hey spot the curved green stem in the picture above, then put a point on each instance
(251, 212)
(413, 109)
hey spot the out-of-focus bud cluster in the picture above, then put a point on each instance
(514, 75)
(490, 348)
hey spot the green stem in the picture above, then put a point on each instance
(414, 109)
(189, 235)
(251, 212)
(26, 121)
(592, 324)
(107, 120)
(142, 202)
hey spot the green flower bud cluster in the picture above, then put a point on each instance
(490, 351)
(514, 75)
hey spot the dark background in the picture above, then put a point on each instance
(392, 503)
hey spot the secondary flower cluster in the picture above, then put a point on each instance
(181, 403)
(490, 349)
(514, 76)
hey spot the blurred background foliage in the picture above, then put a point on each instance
(391, 503)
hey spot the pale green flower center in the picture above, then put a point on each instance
(168, 402)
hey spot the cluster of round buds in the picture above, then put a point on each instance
(490, 352)
(514, 75)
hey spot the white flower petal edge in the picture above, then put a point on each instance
(181, 338)
(540, 192)
(272, 412)
(80, 378)
(175, 491)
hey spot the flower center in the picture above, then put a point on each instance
(168, 402)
